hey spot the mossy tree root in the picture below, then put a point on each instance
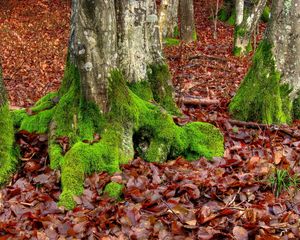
(261, 96)
(8, 158)
(133, 120)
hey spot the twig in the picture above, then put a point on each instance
(264, 126)
(172, 211)
(190, 100)
(217, 58)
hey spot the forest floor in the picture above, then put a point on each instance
(233, 197)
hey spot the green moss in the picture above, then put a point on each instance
(265, 17)
(114, 190)
(159, 77)
(261, 97)
(203, 140)
(142, 89)
(231, 19)
(8, 159)
(171, 42)
(296, 107)
(176, 32)
(223, 15)
(195, 36)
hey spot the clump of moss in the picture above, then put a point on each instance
(296, 107)
(159, 77)
(8, 159)
(261, 97)
(114, 190)
(176, 32)
(171, 42)
(265, 17)
(231, 19)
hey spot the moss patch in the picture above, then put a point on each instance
(159, 78)
(114, 190)
(261, 97)
(8, 159)
(296, 107)
(265, 17)
(171, 42)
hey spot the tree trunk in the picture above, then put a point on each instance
(187, 21)
(7, 158)
(239, 9)
(168, 19)
(118, 96)
(244, 31)
(270, 90)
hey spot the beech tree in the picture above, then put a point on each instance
(7, 156)
(270, 90)
(244, 29)
(115, 96)
(168, 19)
(187, 20)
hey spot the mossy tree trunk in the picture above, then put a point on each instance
(168, 19)
(187, 21)
(116, 95)
(243, 31)
(270, 90)
(7, 157)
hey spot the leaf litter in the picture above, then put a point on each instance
(226, 198)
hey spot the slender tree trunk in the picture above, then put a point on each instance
(7, 158)
(168, 19)
(187, 21)
(239, 9)
(244, 30)
(270, 90)
(115, 95)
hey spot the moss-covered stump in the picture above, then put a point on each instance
(8, 159)
(261, 96)
(83, 140)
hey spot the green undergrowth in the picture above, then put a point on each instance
(134, 108)
(261, 97)
(8, 155)
(282, 179)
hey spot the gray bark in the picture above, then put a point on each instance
(105, 35)
(168, 18)
(245, 30)
(94, 53)
(187, 22)
(284, 34)
(138, 38)
(239, 9)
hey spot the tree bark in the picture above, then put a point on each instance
(187, 21)
(270, 90)
(7, 158)
(244, 31)
(239, 9)
(168, 19)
